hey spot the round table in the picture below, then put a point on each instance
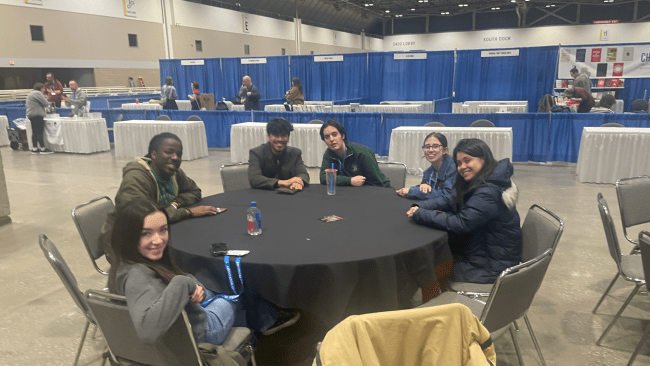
(371, 260)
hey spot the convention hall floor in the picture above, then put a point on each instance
(40, 324)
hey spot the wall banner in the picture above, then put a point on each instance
(409, 56)
(332, 58)
(500, 53)
(191, 62)
(245, 24)
(130, 8)
(620, 61)
(253, 60)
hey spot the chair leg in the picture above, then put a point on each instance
(516, 344)
(516, 325)
(618, 315)
(252, 351)
(532, 335)
(81, 344)
(644, 338)
(605, 294)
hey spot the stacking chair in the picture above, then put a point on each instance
(434, 124)
(611, 124)
(120, 118)
(316, 122)
(194, 118)
(89, 218)
(61, 268)
(176, 347)
(163, 117)
(644, 243)
(482, 123)
(633, 202)
(234, 177)
(396, 172)
(509, 300)
(629, 266)
(540, 232)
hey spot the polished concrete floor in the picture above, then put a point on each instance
(40, 324)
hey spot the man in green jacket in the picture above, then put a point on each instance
(157, 178)
(356, 164)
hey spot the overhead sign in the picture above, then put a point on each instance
(191, 62)
(253, 60)
(409, 56)
(617, 61)
(500, 53)
(129, 8)
(331, 58)
(615, 21)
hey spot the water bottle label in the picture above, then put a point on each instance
(251, 226)
(258, 218)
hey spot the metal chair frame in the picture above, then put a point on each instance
(638, 199)
(390, 166)
(226, 168)
(93, 245)
(644, 244)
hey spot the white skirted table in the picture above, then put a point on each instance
(306, 137)
(141, 106)
(390, 108)
(406, 142)
(610, 153)
(235, 107)
(427, 105)
(184, 105)
(4, 136)
(82, 135)
(132, 137)
(274, 108)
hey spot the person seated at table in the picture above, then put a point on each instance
(168, 92)
(606, 103)
(578, 94)
(295, 95)
(274, 164)
(439, 178)
(194, 98)
(356, 164)
(484, 232)
(158, 178)
(639, 106)
(53, 89)
(156, 289)
(77, 99)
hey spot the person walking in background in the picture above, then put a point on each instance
(53, 89)
(168, 92)
(295, 95)
(251, 93)
(35, 105)
(439, 178)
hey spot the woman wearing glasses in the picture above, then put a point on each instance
(439, 178)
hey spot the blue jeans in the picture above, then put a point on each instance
(221, 317)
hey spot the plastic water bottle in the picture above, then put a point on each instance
(254, 218)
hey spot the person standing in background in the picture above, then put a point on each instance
(168, 91)
(35, 104)
(295, 95)
(251, 93)
(78, 99)
(53, 89)
(196, 94)
(581, 80)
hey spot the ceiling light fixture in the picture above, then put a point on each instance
(387, 11)
(412, 9)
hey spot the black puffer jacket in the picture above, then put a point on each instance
(484, 234)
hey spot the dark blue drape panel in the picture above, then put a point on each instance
(525, 77)
(271, 78)
(634, 89)
(345, 80)
(376, 76)
(529, 134)
(207, 75)
(301, 67)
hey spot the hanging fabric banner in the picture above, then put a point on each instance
(624, 61)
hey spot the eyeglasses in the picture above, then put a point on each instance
(431, 147)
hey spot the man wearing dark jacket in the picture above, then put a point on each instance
(53, 89)
(157, 178)
(252, 95)
(274, 164)
(356, 164)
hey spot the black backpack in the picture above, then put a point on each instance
(560, 109)
(222, 106)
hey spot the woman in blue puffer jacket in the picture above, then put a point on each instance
(484, 232)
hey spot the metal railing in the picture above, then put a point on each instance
(21, 94)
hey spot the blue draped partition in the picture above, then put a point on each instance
(634, 89)
(339, 81)
(271, 78)
(410, 79)
(208, 76)
(525, 77)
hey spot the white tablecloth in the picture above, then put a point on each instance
(341, 108)
(4, 136)
(406, 143)
(495, 106)
(319, 102)
(306, 137)
(427, 106)
(274, 108)
(141, 106)
(610, 153)
(82, 135)
(184, 105)
(312, 108)
(235, 107)
(132, 137)
(390, 108)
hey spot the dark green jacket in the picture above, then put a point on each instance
(359, 160)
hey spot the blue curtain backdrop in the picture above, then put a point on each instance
(271, 78)
(525, 77)
(410, 79)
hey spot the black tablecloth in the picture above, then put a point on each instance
(372, 260)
